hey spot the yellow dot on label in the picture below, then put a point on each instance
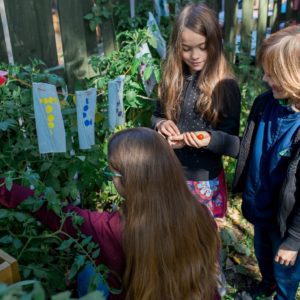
(51, 125)
(50, 100)
(42, 100)
(49, 109)
(51, 118)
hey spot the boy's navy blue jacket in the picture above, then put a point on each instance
(287, 206)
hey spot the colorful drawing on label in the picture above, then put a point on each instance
(86, 109)
(48, 118)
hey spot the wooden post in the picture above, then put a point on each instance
(108, 34)
(298, 12)
(230, 25)
(90, 37)
(3, 51)
(214, 5)
(73, 40)
(262, 23)
(276, 18)
(9, 270)
(289, 11)
(31, 30)
(247, 26)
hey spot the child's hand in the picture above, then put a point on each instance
(176, 141)
(286, 257)
(167, 128)
(197, 139)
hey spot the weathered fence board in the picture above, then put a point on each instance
(247, 25)
(32, 35)
(230, 25)
(3, 52)
(90, 37)
(276, 18)
(262, 22)
(31, 30)
(108, 34)
(73, 39)
(215, 5)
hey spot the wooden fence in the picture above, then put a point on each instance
(31, 32)
(32, 35)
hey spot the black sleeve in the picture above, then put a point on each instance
(291, 196)
(224, 137)
(247, 141)
(157, 115)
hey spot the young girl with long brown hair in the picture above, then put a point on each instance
(199, 107)
(162, 242)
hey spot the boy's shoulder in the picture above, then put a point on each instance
(264, 97)
(260, 103)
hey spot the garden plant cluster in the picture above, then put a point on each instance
(50, 261)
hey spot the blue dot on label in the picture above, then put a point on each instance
(86, 107)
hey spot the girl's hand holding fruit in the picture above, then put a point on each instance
(197, 139)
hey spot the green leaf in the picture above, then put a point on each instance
(8, 183)
(50, 194)
(135, 65)
(100, 83)
(157, 75)
(9, 123)
(228, 237)
(4, 213)
(86, 241)
(7, 239)
(17, 243)
(152, 41)
(96, 295)
(45, 166)
(78, 263)
(148, 72)
(130, 96)
(81, 157)
(242, 249)
(66, 244)
(40, 273)
(77, 220)
(38, 292)
(92, 25)
(26, 272)
(62, 296)
(20, 217)
(32, 204)
(89, 16)
(68, 111)
(95, 254)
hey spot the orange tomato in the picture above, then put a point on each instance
(200, 136)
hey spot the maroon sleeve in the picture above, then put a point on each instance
(104, 227)
(15, 196)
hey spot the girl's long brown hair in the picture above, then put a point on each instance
(170, 240)
(202, 20)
